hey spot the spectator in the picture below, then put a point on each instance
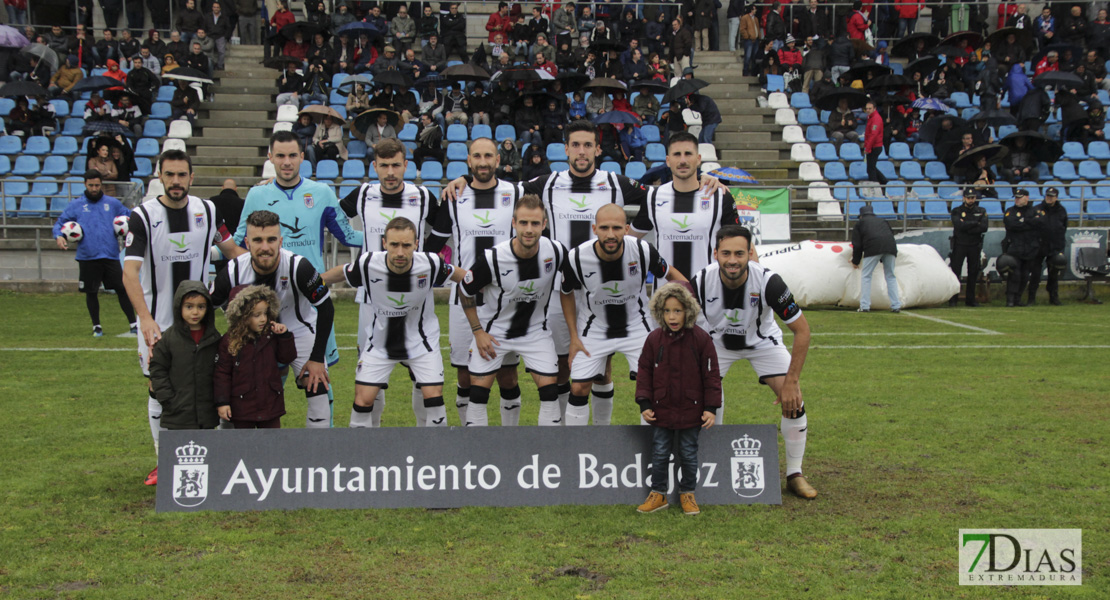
(479, 106)
(248, 21)
(705, 12)
(19, 119)
(177, 47)
(1020, 19)
(379, 131)
(631, 28)
(101, 161)
(543, 46)
(1006, 10)
(1075, 28)
(710, 116)
(169, 63)
(429, 141)
(749, 37)
(317, 86)
(1097, 70)
(453, 33)
(633, 142)
(217, 25)
(327, 142)
(147, 61)
(157, 47)
(543, 65)
(563, 22)
(319, 52)
(114, 72)
(387, 62)
(775, 27)
(403, 29)
(59, 42)
(96, 109)
(598, 103)
(106, 49)
(1098, 33)
(841, 53)
(816, 21)
(305, 128)
(658, 69)
(455, 107)
(185, 102)
(434, 55)
(1010, 52)
(508, 167)
(319, 16)
(554, 121)
(658, 33)
(1045, 27)
(1019, 164)
(859, 26)
(646, 106)
(208, 46)
(631, 45)
(672, 121)
(376, 19)
(343, 54)
(681, 44)
(610, 144)
(128, 46)
(564, 55)
(535, 164)
(357, 101)
(842, 124)
(62, 82)
(199, 60)
(586, 20)
(528, 123)
(790, 57)
(1051, 62)
(636, 68)
(129, 115)
(427, 25)
(17, 11)
(521, 37)
(873, 242)
(813, 64)
(499, 22)
(412, 67)
(296, 47)
(189, 21)
(289, 84)
(577, 109)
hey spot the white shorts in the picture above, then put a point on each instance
(461, 337)
(304, 352)
(556, 323)
(769, 361)
(144, 355)
(375, 370)
(588, 367)
(537, 349)
(365, 319)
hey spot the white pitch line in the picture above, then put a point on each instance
(965, 346)
(895, 333)
(952, 323)
(69, 349)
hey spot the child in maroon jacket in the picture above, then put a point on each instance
(248, 389)
(678, 388)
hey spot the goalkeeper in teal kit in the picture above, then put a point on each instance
(306, 208)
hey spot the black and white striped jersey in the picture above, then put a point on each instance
(405, 323)
(478, 220)
(299, 288)
(572, 202)
(173, 245)
(516, 289)
(744, 318)
(685, 224)
(613, 301)
(376, 209)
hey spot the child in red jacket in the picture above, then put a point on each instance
(248, 389)
(678, 388)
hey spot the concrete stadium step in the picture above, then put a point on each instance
(246, 137)
(231, 117)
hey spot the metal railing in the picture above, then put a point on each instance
(15, 189)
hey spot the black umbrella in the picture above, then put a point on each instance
(280, 62)
(358, 28)
(930, 128)
(22, 88)
(974, 39)
(607, 45)
(346, 86)
(889, 82)
(187, 74)
(569, 80)
(684, 88)
(368, 117)
(862, 69)
(396, 79)
(1023, 37)
(831, 100)
(946, 51)
(992, 152)
(907, 46)
(892, 100)
(465, 72)
(95, 84)
(653, 85)
(432, 79)
(924, 65)
(539, 96)
(109, 127)
(42, 52)
(1036, 143)
(617, 116)
(995, 117)
(1058, 79)
(518, 74)
(306, 29)
(606, 84)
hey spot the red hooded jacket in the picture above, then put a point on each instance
(678, 377)
(251, 381)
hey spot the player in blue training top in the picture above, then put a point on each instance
(305, 207)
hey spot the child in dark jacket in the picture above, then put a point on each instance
(248, 388)
(182, 362)
(678, 388)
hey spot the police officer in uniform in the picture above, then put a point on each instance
(969, 223)
(1022, 242)
(1054, 224)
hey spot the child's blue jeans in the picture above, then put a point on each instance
(664, 440)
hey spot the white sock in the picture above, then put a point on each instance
(510, 407)
(603, 403)
(462, 400)
(550, 416)
(154, 417)
(319, 412)
(361, 419)
(577, 415)
(564, 397)
(436, 416)
(379, 408)
(418, 407)
(794, 438)
(477, 415)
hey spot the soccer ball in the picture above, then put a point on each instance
(72, 231)
(120, 225)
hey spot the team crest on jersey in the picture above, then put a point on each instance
(284, 283)
(505, 199)
(753, 299)
(190, 475)
(421, 281)
(633, 268)
(705, 203)
(198, 218)
(308, 201)
(413, 199)
(106, 208)
(747, 467)
(127, 240)
(548, 265)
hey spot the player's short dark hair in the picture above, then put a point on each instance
(263, 218)
(682, 136)
(583, 125)
(530, 201)
(388, 148)
(731, 231)
(93, 174)
(174, 155)
(399, 224)
(285, 136)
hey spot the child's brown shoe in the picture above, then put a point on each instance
(689, 505)
(655, 501)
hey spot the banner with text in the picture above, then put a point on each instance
(401, 467)
(765, 212)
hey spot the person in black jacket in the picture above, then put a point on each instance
(1054, 224)
(873, 242)
(969, 223)
(1022, 243)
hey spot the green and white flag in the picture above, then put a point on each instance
(766, 213)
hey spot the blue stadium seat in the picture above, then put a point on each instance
(431, 170)
(481, 131)
(353, 169)
(1033, 188)
(456, 133)
(160, 110)
(775, 83)
(61, 107)
(834, 171)
(857, 170)
(816, 133)
(143, 167)
(73, 126)
(77, 167)
(651, 133)
(635, 170)
(505, 131)
(407, 133)
(410, 147)
(884, 209)
(1080, 190)
(55, 166)
(923, 190)
(32, 207)
(73, 186)
(900, 151)
(45, 187)
(346, 187)
(1044, 173)
(653, 153)
(843, 191)
(1099, 150)
(910, 171)
(1098, 209)
(37, 145)
(826, 151)
(1074, 151)
(306, 170)
(961, 99)
(1005, 130)
(6, 106)
(912, 209)
(336, 98)
(850, 152)
(147, 147)
(5, 165)
(26, 165)
(556, 152)
(993, 208)
(967, 113)
(165, 93)
(16, 188)
(800, 100)
(948, 190)
(410, 171)
(1052, 131)
(356, 149)
(1064, 169)
(456, 151)
(57, 205)
(559, 166)
(935, 170)
(1005, 193)
(342, 110)
(327, 169)
(154, 128)
(936, 210)
(924, 151)
(610, 166)
(65, 145)
(77, 110)
(338, 79)
(1074, 207)
(853, 207)
(887, 169)
(1102, 190)
(456, 169)
(1091, 170)
(808, 116)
